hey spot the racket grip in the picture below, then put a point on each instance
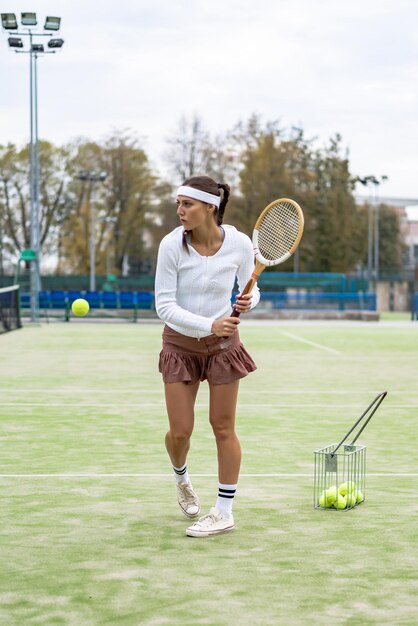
(247, 289)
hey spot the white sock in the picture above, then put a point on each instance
(225, 499)
(181, 474)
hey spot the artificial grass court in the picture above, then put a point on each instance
(91, 532)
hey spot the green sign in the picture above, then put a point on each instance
(28, 255)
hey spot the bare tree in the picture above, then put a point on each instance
(188, 154)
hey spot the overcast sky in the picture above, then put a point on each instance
(323, 65)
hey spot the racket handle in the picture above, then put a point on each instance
(247, 289)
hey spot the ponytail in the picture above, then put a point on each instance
(184, 242)
(225, 197)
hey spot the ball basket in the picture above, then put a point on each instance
(340, 469)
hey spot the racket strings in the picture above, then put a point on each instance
(278, 230)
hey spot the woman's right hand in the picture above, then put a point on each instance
(225, 327)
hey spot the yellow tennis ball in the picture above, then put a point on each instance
(347, 487)
(340, 502)
(80, 307)
(331, 495)
(360, 496)
(351, 499)
(323, 502)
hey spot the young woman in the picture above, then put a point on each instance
(196, 270)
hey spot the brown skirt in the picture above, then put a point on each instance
(220, 360)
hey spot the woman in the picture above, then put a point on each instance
(196, 270)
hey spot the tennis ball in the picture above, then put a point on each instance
(347, 487)
(323, 502)
(331, 495)
(80, 307)
(351, 499)
(360, 496)
(340, 502)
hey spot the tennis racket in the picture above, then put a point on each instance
(276, 236)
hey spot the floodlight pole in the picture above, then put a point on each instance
(35, 237)
(376, 229)
(365, 181)
(370, 242)
(372, 259)
(34, 170)
(93, 177)
(37, 177)
(34, 281)
(92, 238)
(35, 242)
(376, 183)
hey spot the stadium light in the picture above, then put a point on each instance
(8, 21)
(55, 43)
(93, 176)
(52, 23)
(15, 42)
(28, 19)
(365, 181)
(29, 22)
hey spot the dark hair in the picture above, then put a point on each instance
(206, 183)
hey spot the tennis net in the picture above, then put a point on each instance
(10, 308)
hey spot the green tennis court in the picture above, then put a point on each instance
(91, 532)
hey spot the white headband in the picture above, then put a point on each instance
(191, 192)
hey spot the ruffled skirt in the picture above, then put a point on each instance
(219, 360)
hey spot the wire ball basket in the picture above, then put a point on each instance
(340, 468)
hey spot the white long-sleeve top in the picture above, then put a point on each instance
(191, 290)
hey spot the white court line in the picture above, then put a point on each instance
(286, 405)
(123, 391)
(311, 343)
(275, 475)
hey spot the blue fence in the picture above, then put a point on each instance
(96, 299)
(319, 301)
(144, 300)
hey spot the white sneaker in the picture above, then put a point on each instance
(187, 499)
(211, 524)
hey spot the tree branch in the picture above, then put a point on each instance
(11, 228)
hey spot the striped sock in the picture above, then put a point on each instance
(181, 474)
(225, 499)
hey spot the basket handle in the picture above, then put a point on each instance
(376, 403)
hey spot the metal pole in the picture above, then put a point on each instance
(370, 246)
(92, 239)
(33, 277)
(36, 187)
(376, 228)
(34, 211)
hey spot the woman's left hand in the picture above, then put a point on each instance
(243, 303)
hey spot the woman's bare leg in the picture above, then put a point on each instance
(223, 402)
(180, 399)
(222, 408)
